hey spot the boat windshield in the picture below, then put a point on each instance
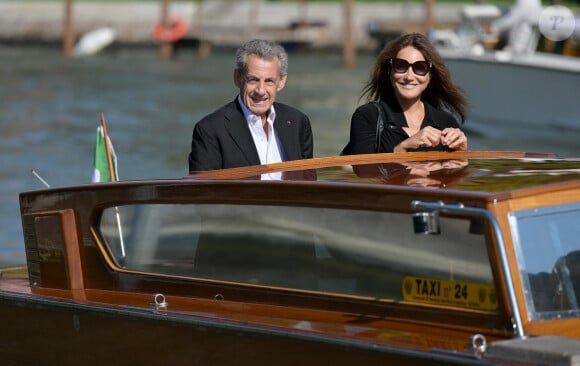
(548, 250)
(369, 254)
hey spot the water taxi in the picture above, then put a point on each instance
(463, 258)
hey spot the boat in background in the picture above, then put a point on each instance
(535, 91)
(505, 89)
(94, 42)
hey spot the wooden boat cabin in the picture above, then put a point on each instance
(414, 258)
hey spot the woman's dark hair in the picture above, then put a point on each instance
(441, 92)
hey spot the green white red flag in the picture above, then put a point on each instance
(101, 160)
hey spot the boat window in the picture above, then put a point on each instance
(547, 242)
(351, 252)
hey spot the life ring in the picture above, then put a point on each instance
(177, 30)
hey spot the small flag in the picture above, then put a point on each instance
(101, 161)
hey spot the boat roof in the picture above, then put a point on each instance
(472, 171)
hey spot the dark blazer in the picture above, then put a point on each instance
(363, 127)
(222, 139)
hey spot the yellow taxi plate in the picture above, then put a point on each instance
(452, 293)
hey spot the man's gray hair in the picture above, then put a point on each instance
(264, 49)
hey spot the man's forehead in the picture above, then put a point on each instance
(254, 58)
(262, 68)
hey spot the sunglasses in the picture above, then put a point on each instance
(401, 66)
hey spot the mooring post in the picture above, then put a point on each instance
(68, 39)
(348, 49)
(204, 47)
(429, 18)
(166, 47)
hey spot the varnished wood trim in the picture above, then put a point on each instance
(362, 159)
(73, 258)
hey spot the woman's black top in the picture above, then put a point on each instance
(363, 128)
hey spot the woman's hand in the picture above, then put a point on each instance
(454, 138)
(426, 137)
(429, 136)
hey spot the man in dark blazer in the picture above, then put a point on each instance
(253, 129)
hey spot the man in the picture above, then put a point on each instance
(253, 129)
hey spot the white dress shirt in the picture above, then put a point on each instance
(268, 146)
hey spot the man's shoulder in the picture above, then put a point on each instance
(220, 114)
(282, 108)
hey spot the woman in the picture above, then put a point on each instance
(417, 97)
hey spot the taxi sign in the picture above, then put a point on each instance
(478, 296)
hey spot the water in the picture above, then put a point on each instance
(50, 109)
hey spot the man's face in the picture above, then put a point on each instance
(258, 87)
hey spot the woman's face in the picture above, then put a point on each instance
(408, 85)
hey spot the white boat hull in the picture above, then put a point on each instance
(528, 91)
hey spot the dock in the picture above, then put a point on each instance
(220, 22)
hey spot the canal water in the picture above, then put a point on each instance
(50, 108)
